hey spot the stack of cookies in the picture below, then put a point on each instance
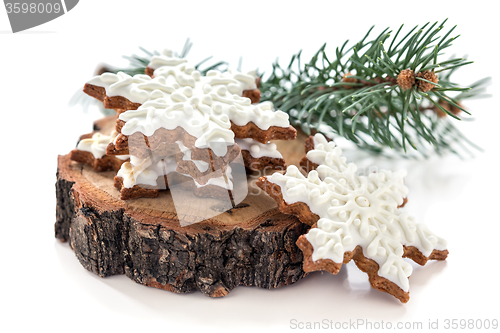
(175, 125)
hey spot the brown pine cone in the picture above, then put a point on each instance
(349, 80)
(406, 79)
(429, 76)
(453, 109)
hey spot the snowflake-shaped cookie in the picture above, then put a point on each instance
(208, 107)
(175, 102)
(359, 218)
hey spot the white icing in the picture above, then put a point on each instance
(122, 157)
(97, 145)
(139, 174)
(235, 82)
(167, 64)
(257, 149)
(212, 131)
(204, 106)
(137, 89)
(166, 58)
(146, 171)
(357, 210)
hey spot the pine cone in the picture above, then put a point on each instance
(453, 109)
(349, 80)
(406, 79)
(429, 76)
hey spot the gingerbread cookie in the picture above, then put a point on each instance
(91, 150)
(310, 162)
(230, 110)
(146, 177)
(356, 218)
(258, 156)
(173, 110)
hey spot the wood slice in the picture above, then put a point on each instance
(253, 244)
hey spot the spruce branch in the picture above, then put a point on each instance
(384, 92)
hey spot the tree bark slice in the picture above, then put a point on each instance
(252, 244)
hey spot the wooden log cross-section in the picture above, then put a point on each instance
(252, 244)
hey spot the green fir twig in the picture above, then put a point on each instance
(354, 92)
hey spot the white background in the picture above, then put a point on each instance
(44, 286)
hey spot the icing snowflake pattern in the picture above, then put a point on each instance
(178, 95)
(357, 210)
